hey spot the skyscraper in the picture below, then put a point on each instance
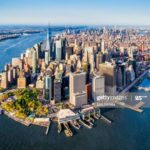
(4, 80)
(57, 90)
(59, 50)
(21, 82)
(48, 87)
(34, 62)
(48, 48)
(48, 43)
(98, 87)
(78, 95)
(108, 70)
(46, 57)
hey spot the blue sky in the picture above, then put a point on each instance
(95, 12)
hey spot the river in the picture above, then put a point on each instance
(129, 131)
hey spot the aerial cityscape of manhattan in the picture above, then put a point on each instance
(74, 75)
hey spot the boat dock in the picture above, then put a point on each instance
(105, 119)
(84, 124)
(135, 108)
(47, 129)
(75, 124)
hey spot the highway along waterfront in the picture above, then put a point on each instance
(128, 130)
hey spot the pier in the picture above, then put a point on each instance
(135, 108)
(84, 124)
(47, 129)
(105, 119)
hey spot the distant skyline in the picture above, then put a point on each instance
(74, 12)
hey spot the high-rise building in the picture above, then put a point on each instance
(48, 87)
(108, 70)
(57, 90)
(4, 80)
(48, 44)
(21, 82)
(10, 75)
(46, 57)
(77, 83)
(59, 50)
(98, 87)
(99, 60)
(34, 62)
(103, 46)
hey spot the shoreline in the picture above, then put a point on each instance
(47, 124)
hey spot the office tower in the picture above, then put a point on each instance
(48, 44)
(34, 62)
(48, 87)
(132, 73)
(78, 95)
(57, 90)
(22, 56)
(119, 77)
(21, 82)
(99, 59)
(6, 67)
(14, 74)
(92, 63)
(10, 75)
(4, 80)
(65, 87)
(103, 46)
(130, 53)
(123, 68)
(98, 87)
(63, 48)
(38, 50)
(109, 72)
(46, 57)
(59, 50)
(128, 75)
(88, 89)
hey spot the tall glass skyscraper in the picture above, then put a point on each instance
(48, 87)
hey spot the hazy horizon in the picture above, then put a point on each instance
(67, 12)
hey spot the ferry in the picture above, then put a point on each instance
(68, 133)
(67, 130)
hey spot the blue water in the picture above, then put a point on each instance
(145, 83)
(14, 47)
(129, 131)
